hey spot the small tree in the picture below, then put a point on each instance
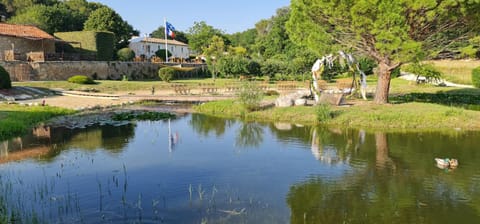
(125, 54)
(250, 96)
(5, 82)
(161, 54)
(166, 74)
(214, 51)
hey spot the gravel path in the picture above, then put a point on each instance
(413, 77)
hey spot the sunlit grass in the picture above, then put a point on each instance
(386, 117)
(457, 71)
(15, 120)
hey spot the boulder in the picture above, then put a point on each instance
(284, 101)
(300, 102)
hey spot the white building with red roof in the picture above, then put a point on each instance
(147, 46)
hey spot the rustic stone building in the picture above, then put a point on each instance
(16, 41)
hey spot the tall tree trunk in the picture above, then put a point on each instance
(383, 84)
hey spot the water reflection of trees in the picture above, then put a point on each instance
(384, 188)
(111, 138)
(249, 135)
(204, 124)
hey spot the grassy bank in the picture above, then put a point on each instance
(415, 116)
(15, 120)
(456, 71)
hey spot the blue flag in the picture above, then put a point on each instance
(169, 29)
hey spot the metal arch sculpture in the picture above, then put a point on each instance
(348, 60)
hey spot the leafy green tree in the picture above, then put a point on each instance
(160, 33)
(273, 38)
(214, 52)
(106, 19)
(56, 18)
(390, 32)
(201, 34)
(161, 54)
(233, 66)
(245, 39)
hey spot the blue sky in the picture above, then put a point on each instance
(227, 15)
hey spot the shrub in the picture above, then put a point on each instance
(5, 82)
(250, 96)
(81, 79)
(476, 77)
(161, 54)
(254, 68)
(272, 67)
(232, 65)
(166, 74)
(367, 65)
(324, 113)
(125, 54)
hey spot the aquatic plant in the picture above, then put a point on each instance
(142, 116)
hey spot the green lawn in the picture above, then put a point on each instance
(457, 71)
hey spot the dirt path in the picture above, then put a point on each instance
(80, 100)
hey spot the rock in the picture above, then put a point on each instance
(284, 101)
(300, 102)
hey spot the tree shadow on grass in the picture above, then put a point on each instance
(467, 98)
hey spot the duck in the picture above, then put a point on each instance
(446, 163)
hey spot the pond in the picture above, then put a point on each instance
(201, 169)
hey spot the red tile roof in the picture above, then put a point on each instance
(23, 31)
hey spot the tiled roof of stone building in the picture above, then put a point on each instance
(23, 31)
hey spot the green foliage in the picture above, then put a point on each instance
(399, 29)
(254, 68)
(367, 65)
(426, 70)
(330, 72)
(233, 66)
(125, 54)
(50, 15)
(81, 79)
(273, 38)
(200, 36)
(100, 43)
(323, 112)
(476, 77)
(272, 67)
(17, 120)
(160, 33)
(468, 51)
(142, 116)
(244, 39)
(106, 19)
(161, 54)
(5, 82)
(166, 73)
(396, 72)
(214, 52)
(250, 96)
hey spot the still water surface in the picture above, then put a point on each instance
(210, 170)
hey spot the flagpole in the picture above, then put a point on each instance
(166, 40)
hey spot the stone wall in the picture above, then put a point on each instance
(23, 46)
(62, 70)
